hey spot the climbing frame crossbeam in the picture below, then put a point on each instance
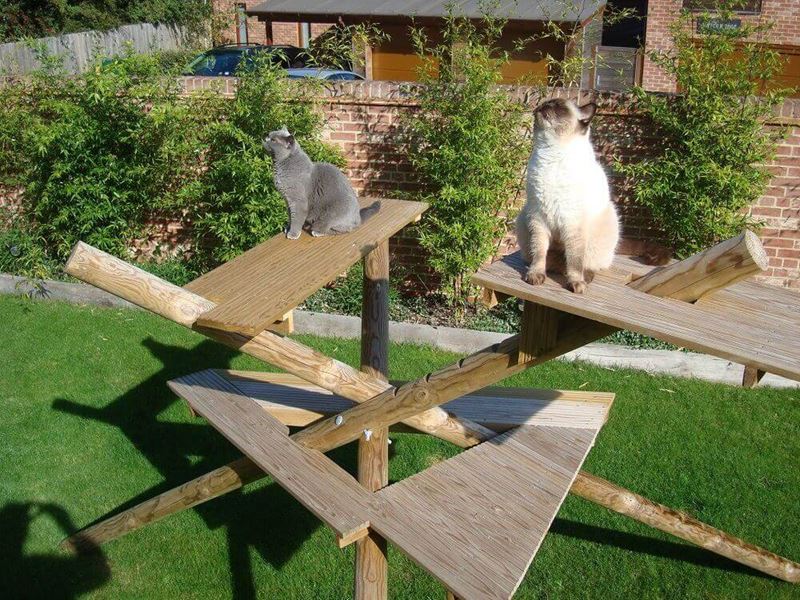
(255, 289)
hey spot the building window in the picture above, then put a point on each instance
(241, 24)
(738, 6)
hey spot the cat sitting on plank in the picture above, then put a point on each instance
(318, 195)
(569, 209)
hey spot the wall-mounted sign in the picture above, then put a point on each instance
(716, 25)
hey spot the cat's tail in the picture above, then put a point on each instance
(368, 211)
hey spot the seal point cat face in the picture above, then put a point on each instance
(280, 143)
(561, 119)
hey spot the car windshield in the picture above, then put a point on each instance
(215, 63)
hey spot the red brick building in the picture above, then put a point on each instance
(784, 37)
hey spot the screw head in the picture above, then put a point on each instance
(338, 420)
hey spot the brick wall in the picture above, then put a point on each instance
(785, 14)
(362, 119)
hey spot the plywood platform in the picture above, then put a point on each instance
(751, 337)
(474, 521)
(255, 289)
(315, 481)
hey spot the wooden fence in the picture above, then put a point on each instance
(79, 49)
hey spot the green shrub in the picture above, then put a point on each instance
(102, 152)
(714, 144)
(234, 204)
(466, 144)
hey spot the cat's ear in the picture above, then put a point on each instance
(289, 139)
(586, 113)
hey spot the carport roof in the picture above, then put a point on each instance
(537, 10)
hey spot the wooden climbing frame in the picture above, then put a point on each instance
(476, 520)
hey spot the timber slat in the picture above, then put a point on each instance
(722, 334)
(258, 287)
(476, 520)
(297, 403)
(312, 478)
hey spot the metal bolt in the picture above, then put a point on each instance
(367, 434)
(338, 420)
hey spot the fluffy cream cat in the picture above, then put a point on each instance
(569, 209)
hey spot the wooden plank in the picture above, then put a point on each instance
(262, 284)
(298, 403)
(476, 520)
(539, 331)
(314, 480)
(372, 567)
(673, 321)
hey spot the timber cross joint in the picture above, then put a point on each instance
(540, 438)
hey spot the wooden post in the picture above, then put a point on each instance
(371, 571)
(751, 376)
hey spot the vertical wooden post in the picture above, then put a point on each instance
(373, 446)
(751, 376)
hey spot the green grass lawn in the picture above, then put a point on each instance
(88, 426)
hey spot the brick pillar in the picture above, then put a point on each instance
(660, 14)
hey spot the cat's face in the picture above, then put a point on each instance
(279, 143)
(561, 120)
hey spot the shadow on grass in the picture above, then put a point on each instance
(44, 575)
(643, 544)
(267, 519)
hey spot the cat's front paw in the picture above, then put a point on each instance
(316, 233)
(292, 235)
(579, 287)
(535, 277)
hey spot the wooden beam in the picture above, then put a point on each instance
(192, 493)
(708, 271)
(683, 526)
(372, 569)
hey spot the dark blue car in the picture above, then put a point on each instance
(223, 61)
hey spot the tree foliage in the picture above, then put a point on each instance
(466, 143)
(714, 146)
(101, 154)
(36, 18)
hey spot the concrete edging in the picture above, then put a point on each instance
(462, 341)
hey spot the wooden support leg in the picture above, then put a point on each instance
(371, 571)
(683, 526)
(751, 376)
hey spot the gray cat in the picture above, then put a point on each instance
(317, 195)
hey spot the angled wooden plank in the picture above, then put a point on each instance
(476, 520)
(274, 277)
(298, 403)
(683, 324)
(313, 479)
